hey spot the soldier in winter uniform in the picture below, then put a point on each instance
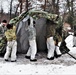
(50, 33)
(32, 41)
(64, 35)
(11, 43)
(67, 38)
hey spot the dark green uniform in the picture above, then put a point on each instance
(50, 30)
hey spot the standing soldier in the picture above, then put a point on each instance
(3, 41)
(50, 33)
(11, 43)
(32, 41)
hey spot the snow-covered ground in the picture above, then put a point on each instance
(64, 65)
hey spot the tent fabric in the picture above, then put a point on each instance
(22, 36)
(40, 18)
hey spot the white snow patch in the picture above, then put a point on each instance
(13, 68)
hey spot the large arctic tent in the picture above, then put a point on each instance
(40, 18)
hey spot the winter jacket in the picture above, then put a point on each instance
(10, 34)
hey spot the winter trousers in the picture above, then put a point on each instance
(51, 47)
(32, 49)
(11, 49)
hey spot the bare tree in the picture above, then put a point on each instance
(20, 1)
(27, 5)
(17, 9)
(11, 9)
(45, 5)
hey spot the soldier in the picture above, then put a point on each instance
(11, 43)
(3, 41)
(50, 33)
(32, 41)
(3, 25)
(67, 38)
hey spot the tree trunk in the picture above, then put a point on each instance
(26, 5)
(57, 7)
(11, 8)
(17, 9)
(72, 7)
(20, 1)
(53, 6)
(45, 6)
